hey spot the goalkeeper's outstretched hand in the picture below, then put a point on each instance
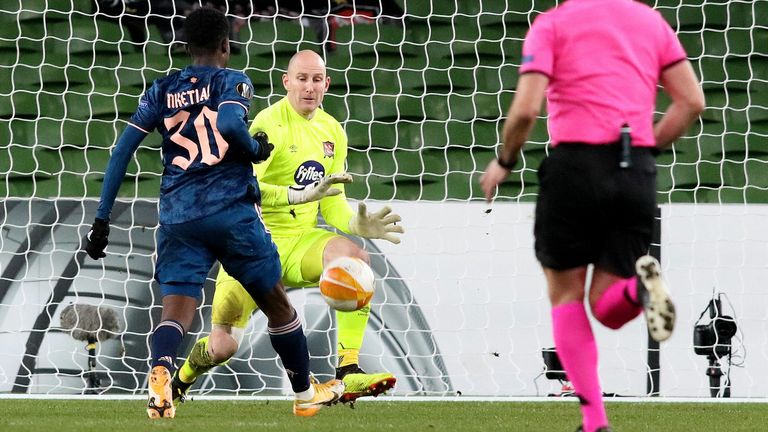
(379, 225)
(317, 190)
(98, 239)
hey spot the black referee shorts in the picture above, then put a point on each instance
(590, 211)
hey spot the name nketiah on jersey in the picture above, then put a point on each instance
(189, 97)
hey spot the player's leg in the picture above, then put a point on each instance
(617, 294)
(350, 327)
(617, 299)
(614, 299)
(569, 233)
(182, 265)
(575, 342)
(232, 306)
(288, 340)
(178, 311)
(231, 309)
(614, 294)
(251, 257)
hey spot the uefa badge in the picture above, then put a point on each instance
(328, 148)
(244, 90)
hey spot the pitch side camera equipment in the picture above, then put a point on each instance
(714, 340)
(91, 324)
(553, 370)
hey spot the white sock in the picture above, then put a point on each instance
(307, 394)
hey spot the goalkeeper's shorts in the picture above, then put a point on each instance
(591, 211)
(301, 258)
(236, 237)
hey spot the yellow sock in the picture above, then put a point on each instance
(187, 374)
(198, 362)
(348, 357)
(351, 329)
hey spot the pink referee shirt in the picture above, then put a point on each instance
(603, 59)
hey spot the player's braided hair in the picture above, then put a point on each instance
(205, 29)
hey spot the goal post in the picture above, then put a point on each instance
(461, 306)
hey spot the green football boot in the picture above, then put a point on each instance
(360, 384)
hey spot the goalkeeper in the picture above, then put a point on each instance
(304, 174)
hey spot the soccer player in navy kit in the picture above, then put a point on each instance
(208, 210)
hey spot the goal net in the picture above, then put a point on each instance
(421, 88)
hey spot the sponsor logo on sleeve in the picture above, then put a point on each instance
(308, 173)
(328, 148)
(527, 58)
(244, 90)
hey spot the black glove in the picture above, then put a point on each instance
(97, 239)
(265, 147)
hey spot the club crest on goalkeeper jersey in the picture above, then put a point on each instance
(305, 151)
(200, 177)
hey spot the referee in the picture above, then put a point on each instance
(598, 62)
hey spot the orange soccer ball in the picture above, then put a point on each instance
(347, 284)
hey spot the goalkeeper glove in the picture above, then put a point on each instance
(378, 225)
(265, 147)
(97, 239)
(317, 190)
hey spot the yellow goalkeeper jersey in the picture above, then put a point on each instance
(305, 151)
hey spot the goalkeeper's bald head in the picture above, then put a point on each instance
(304, 59)
(306, 82)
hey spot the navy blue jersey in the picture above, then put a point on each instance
(200, 177)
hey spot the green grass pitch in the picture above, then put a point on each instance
(231, 416)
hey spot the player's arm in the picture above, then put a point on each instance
(680, 83)
(231, 123)
(274, 195)
(233, 100)
(682, 86)
(536, 68)
(337, 212)
(143, 121)
(525, 108)
(521, 117)
(126, 146)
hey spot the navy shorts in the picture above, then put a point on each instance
(236, 237)
(590, 211)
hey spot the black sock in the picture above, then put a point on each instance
(291, 345)
(165, 343)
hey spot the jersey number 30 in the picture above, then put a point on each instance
(204, 145)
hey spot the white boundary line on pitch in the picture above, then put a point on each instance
(541, 399)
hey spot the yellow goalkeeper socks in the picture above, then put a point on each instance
(348, 357)
(198, 362)
(351, 328)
